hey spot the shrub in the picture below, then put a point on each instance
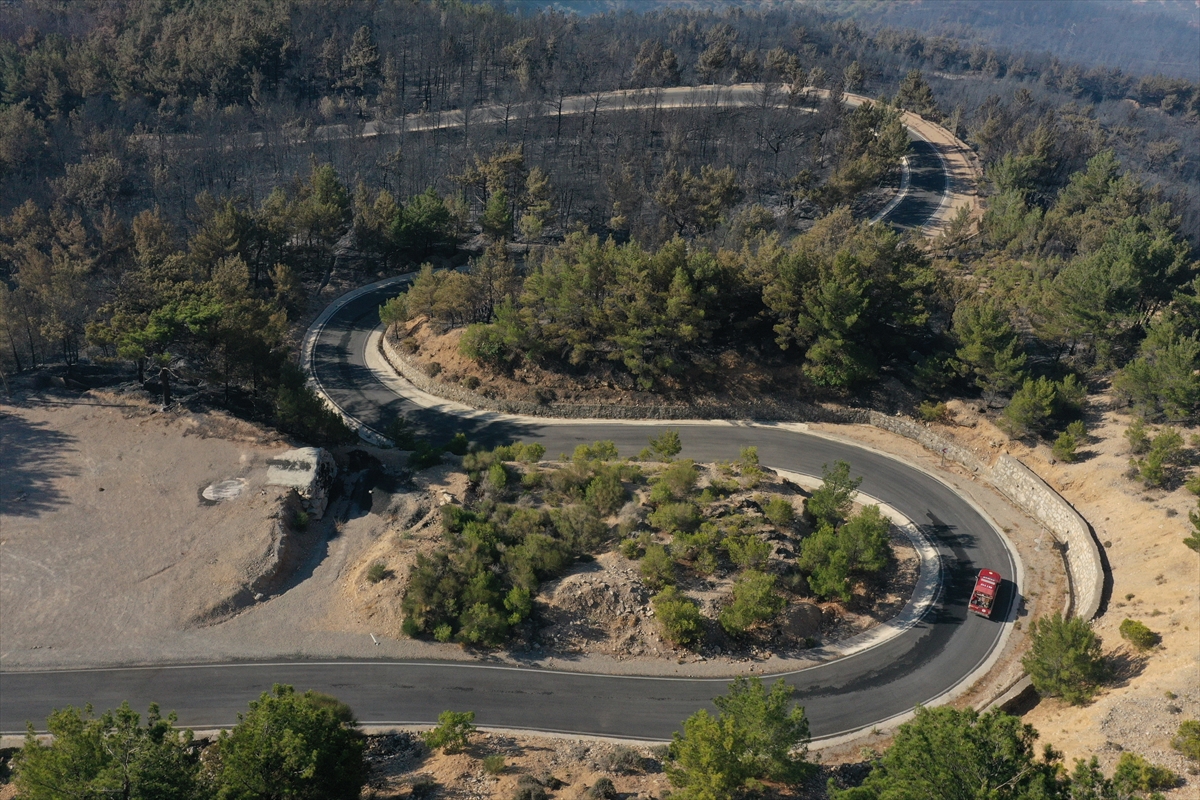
(1139, 635)
(657, 567)
(831, 557)
(754, 600)
(698, 548)
(747, 457)
(605, 492)
(529, 788)
(1064, 447)
(780, 511)
(580, 527)
(433, 369)
(377, 572)
(832, 501)
(931, 412)
(675, 482)
(1136, 774)
(458, 444)
(471, 383)
(452, 733)
(1030, 407)
(301, 520)
(497, 477)
(424, 456)
(494, 764)
(1078, 431)
(672, 517)
(1139, 438)
(748, 552)
(666, 445)
(605, 450)
(631, 548)
(602, 789)
(1166, 450)
(1193, 539)
(622, 759)
(1064, 659)
(1187, 739)
(678, 617)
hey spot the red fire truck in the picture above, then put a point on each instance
(983, 598)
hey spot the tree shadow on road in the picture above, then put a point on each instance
(31, 460)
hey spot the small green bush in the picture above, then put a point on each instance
(453, 731)
(1192, 540)
(471, 383)
(605, 492)
(377, 572)
(300, 520)
(497, 477)
(433, 369)
(1139, 438)
(631, 548)
(748, 552)
(1136, 774)
(494, 764)
(666, 445)
(676, 482)
(754, 600)
(424, 456)
(1139, 635)
(657, 567)
(935, 412)
(780, 511)
(672, 517)
(1078, 431)
(458, 444)
(1187, 739)
(1064, 447)
(678, 617)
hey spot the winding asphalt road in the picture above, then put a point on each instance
(924, 663)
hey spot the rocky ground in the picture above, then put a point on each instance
(601, 607)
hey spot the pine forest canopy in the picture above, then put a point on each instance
(143, 224)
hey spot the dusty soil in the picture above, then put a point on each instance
(726, 378)
(105, 530)
(1156, 580)
(566, 767)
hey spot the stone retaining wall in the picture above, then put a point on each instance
(1030, 493)
(1008, 475)
(1084, 567)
